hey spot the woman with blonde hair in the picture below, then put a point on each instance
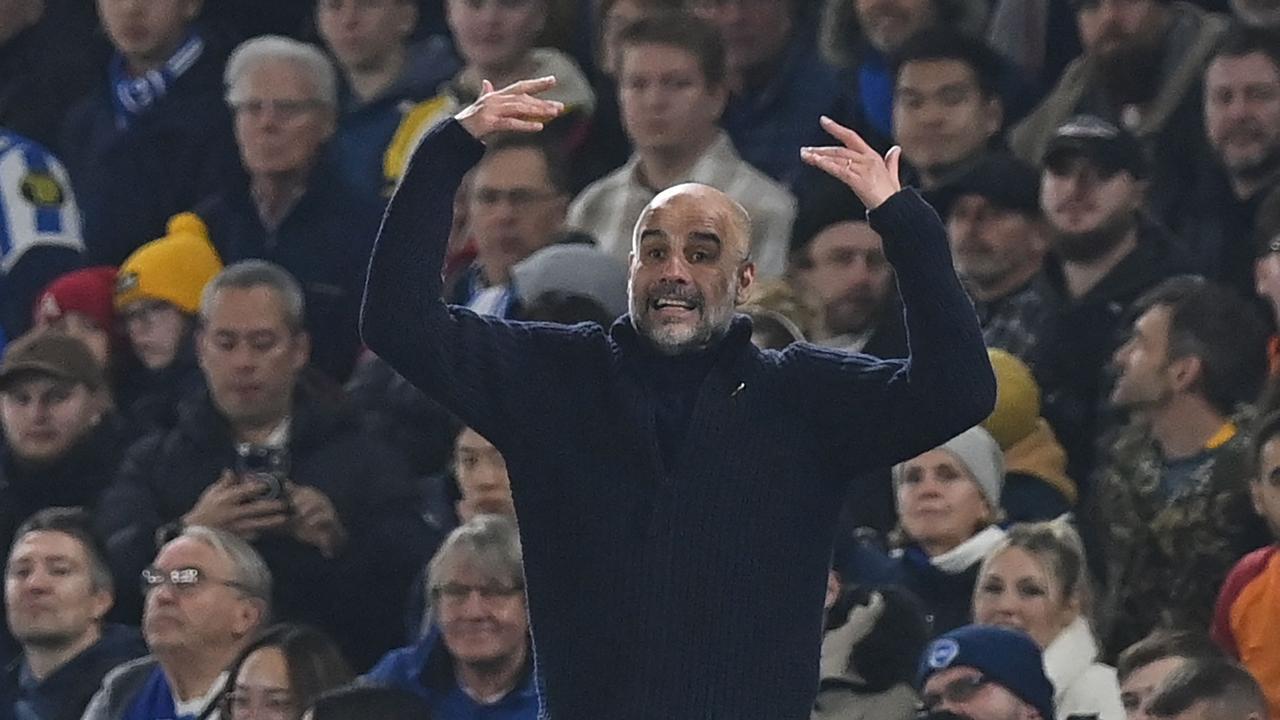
(1036, 581)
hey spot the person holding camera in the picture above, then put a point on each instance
(275, 456)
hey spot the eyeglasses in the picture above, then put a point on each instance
(183, 580)
(457, 593)
(517, 197)
(959, 690)
(286, 110)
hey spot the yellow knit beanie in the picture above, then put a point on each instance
(1017, 400)
(174, 268)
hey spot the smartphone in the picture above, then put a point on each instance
(268, 466)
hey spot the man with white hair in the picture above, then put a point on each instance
(207, 594)
(295, 210)
(155, 137)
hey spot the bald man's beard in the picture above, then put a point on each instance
(711, 323)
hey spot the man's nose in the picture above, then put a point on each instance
(676, 269)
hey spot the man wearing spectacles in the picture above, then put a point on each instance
(268, 453)
(475, 659)
(295, 208)
(517, 205)
(981, 672)
(207, 594)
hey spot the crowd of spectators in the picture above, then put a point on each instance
(217, 502)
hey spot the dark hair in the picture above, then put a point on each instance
(566, 308)
(683, 31)
(76, 523)
(1221, 682)
(553, 156)
(823, 204)
(1266, 429)
(1212, 322)
(369, 702)
(944, 44)
(314, 663)
(1162, 644)
(1240, 40)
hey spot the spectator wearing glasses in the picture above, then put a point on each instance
(982, 672)
(157, 296)
(329, 507)
(58, 588)
(291, 206)
(282, 672)
(518, 201)
(476, 657)
(207, 593)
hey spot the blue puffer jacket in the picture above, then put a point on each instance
(426, 670)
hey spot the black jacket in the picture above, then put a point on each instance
(324, 242)
(77, 478)
(130, 182)
(357, 597)
(65, 693)
(1073, 353)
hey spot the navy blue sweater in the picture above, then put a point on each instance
(693, 590)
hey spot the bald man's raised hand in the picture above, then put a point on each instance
(856, 164)
(514, 108)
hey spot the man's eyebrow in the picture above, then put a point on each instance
(648, 233)
(705, 236)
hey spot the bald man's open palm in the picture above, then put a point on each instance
(872, 178)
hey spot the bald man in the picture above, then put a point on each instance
(676, 488)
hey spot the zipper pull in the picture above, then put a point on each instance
(738, 389)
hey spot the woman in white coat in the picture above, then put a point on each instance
(1036, 581)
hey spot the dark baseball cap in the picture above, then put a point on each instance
(1000, 178)
(50, 353)
(1106, 144)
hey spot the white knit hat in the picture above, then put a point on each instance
(981, 455)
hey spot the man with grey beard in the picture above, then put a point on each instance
(1242, 127)
(677, 488)
(1104, 253)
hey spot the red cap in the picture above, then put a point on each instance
(90, 292)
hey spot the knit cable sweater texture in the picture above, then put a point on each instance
(689, 592)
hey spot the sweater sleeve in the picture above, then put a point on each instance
(489, 372)
(884, 411)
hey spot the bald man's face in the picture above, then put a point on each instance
(689, 268)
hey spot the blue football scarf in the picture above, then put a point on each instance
(132, 96)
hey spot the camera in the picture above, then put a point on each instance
(268, 466)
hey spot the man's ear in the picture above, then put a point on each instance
(302, 350)
(746, 278)
(1186, 372)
